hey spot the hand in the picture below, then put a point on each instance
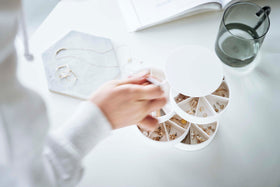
(130, 101)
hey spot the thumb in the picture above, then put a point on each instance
(149, 123)
(135, 80)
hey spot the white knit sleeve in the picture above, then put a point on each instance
(69, 144)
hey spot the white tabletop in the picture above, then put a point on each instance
(245, 151)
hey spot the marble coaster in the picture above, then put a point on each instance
(79, 63)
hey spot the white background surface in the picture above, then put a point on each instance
(246, 150)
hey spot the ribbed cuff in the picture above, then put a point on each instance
(84, 130)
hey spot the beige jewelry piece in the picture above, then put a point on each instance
(64, 71)
(81, 49)
(80, 58)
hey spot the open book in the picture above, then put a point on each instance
(140, 14)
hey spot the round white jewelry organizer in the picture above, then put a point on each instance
(198, 94)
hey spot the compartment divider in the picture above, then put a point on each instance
(202, 131)
(220, 97)
(167, 135)
(187, 131)
(150, 133)
(185, 101)
(210, 106)
(201, 102)
(175, 124)
(164, 109)
(197, 107)
(225, 85)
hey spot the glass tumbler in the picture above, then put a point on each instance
(241, 33)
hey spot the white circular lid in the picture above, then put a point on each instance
(194, 71)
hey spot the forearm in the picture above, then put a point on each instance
(68, 145)
(84, 129)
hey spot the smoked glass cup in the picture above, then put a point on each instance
(241, 33)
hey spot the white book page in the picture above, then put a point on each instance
(152, 11)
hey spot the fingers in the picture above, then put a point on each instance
(149, 123)
(141, 92)
(138, 79)
(149, 92)
(141, 73)
(155, 104)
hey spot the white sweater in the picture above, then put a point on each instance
(30, 156)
